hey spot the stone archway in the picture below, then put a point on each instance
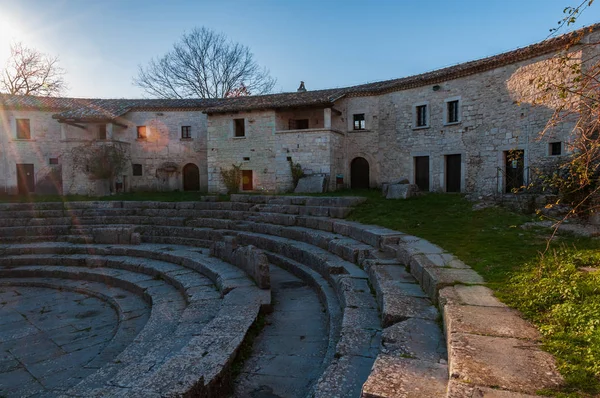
(191, 177)
(359, 173)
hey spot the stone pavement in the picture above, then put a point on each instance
(288, 354)
(49, 338)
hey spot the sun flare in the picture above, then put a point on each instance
(9, 33)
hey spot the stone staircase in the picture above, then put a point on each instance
(381, 290)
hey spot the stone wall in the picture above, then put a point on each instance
(265, 150)
(50, 139)
(44, 144)
(495, 117)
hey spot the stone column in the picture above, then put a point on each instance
(109, 131)
(63, 131)
(327, 118)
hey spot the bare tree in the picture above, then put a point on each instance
(573, 92)
(204, 64)
(31, 72)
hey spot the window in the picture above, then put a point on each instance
(555, 149)
(240, 127)
(53, 161)
(421, 116)
(23, 129)
(452, 112)
(246, 159)
(137, 169)
(102, 132)
(141, 133)
(359, 121)
(298, 124)
(186, 132)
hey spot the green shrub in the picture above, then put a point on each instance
(297, 172)
(232, 178)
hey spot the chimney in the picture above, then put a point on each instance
(301, 89)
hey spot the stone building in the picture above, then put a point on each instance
(472, 127)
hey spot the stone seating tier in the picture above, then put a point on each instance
(398, 352)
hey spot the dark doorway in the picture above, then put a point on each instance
(247, 180)
(359, 174)
(191, 177)
(452, 173)
(515, 167)
(422, 172)
(25, 179)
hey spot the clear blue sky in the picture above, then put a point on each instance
(326, 43)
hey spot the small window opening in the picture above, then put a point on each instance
(53, 161)
(246, 159)
(452, 109)
(421, 116)
(240, 128)
(359, 121)
(137, 169)
(102, 132)
(555, 148)
(142, 132)
(298, 124)
(23, 129)
(186, 132)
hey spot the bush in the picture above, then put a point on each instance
(232, 178)
(297, 172)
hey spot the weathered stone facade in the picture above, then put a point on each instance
(474, 127)
(163, 154)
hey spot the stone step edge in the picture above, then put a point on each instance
(451, 284)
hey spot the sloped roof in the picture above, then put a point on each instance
(109, 109)
(97, 108)
(278, 101)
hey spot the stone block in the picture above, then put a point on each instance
(415, 338)
(405, 378)
(312, 184)
(500, 362)
(489, 321)
(457, 389)
(401, 191)
(469, 295)
(397, 308)
(436, 278)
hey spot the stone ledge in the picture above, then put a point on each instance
(405, 378)
(498, 362)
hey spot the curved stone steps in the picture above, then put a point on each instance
(170, 341)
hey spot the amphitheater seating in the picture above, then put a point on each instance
(378, 286)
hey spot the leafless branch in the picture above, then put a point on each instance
(30, 72)
(204, 64)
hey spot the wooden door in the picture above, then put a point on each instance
(247, 180)
(191, 177)
(359, 174)
(453, 173)
(515, 168)
(422, 172)
(25, 179)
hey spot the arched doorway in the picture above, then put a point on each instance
(359, 173)
(191, 177)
